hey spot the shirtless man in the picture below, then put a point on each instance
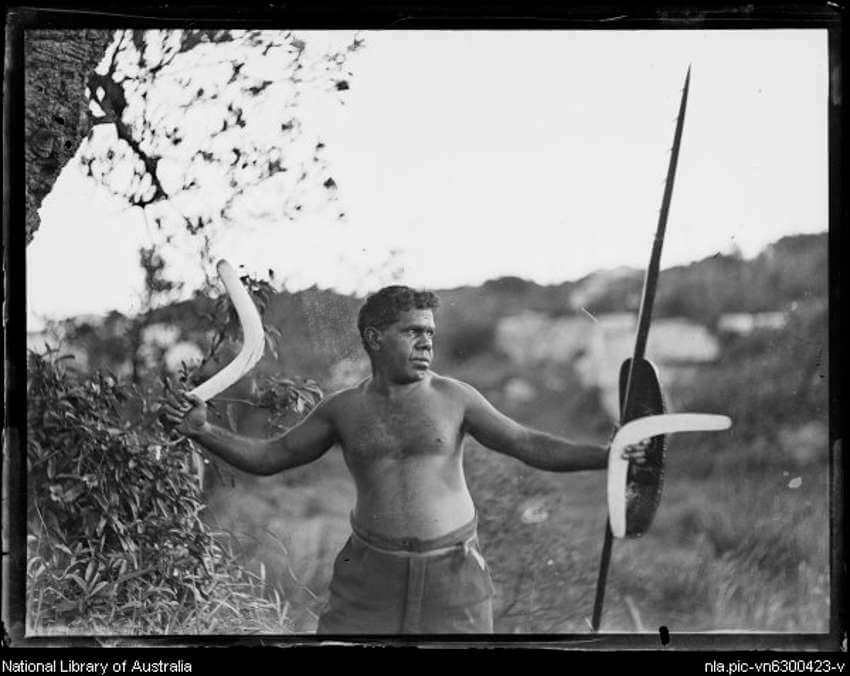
(412, 563)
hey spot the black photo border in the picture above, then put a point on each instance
(323, 15)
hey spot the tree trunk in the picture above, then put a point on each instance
(57, 64)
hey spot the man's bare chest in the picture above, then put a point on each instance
(419, 427)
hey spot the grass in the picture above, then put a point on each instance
(292, 525)
(738, 552)
(240, 602)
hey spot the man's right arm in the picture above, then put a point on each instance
(301, 444)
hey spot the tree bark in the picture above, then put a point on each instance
(57, 64)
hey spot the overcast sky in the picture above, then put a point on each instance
(474, 155)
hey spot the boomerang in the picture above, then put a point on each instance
(645, 428)
(251, 352)
(252, 336)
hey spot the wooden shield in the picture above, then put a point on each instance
(644, 482)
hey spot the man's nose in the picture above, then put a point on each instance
(424, 342)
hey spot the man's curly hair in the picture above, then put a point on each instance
(383, 307)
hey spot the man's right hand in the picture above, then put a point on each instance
(183, 412)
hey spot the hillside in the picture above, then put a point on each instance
(793, 269)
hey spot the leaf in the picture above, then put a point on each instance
(89, 571)
(80, 582)
(74, 492)
(33, 561)
(98, 587)
(65, 606)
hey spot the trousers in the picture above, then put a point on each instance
(384, 585)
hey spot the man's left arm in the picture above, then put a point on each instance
(538, 449)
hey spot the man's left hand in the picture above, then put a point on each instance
(637, 452)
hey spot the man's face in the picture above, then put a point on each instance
(407, 346)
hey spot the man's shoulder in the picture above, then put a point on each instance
(451, 386)
(341, 399)
(347, 394)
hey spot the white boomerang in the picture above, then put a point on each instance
(252, 346)
(252, 336)
(644, 428)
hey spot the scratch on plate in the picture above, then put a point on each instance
(585, 310)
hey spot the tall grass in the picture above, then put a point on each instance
(733, 554)
(236, 600)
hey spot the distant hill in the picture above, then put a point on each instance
(318, 327)
(793, 268)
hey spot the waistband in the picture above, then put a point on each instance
(407, 546)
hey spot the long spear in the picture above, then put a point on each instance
(644, 318)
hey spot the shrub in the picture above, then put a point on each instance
(115, 535)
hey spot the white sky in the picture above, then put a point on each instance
(480, 154)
